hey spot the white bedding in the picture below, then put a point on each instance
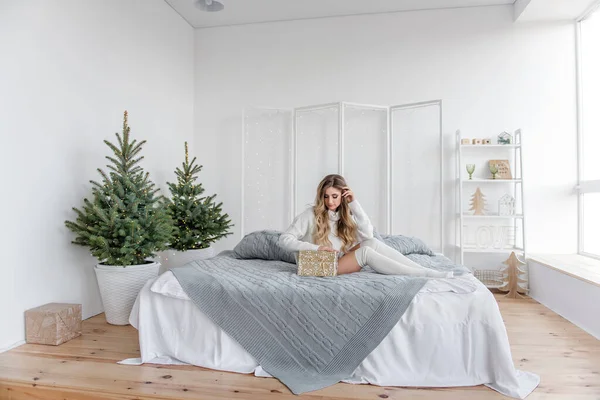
(452, 334)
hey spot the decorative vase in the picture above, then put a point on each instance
(470, 170)
(493, 170)
(119, 287)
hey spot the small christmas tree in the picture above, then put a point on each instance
(198, 220)
(513, 275)
(478, 203)
(125, 222)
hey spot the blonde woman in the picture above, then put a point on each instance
(338, 223)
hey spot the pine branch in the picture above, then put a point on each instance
(198, 222)
(116, 150)
(126, 222)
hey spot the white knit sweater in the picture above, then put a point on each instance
(299, 235)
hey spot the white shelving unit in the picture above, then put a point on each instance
(490, 180)
(467, 154)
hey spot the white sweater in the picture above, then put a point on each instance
(299, 235)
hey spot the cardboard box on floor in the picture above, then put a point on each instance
(53, 323)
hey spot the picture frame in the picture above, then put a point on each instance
(503, 169)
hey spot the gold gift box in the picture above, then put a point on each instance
(317, 263)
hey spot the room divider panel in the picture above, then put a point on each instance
(391, 157)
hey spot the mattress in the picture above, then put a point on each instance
(452, 334)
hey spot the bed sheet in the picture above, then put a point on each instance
(452, 334)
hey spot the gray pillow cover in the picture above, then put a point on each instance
(263, 245)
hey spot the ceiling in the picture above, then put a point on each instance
(238, 12)
(552, 10)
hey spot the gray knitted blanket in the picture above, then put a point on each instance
(308, 332)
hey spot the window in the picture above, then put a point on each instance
(589, 134)
(591, 223)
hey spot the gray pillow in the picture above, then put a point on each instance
(406, 244)
(376, 234)
(263, 245)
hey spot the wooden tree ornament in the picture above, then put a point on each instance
(478, 203)
(513, 276)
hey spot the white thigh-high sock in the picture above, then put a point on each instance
(385, 265)
(389, 252)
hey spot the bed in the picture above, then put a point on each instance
(451, 334)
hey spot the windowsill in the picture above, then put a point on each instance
(584, 268)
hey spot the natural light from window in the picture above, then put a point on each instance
(590, 134)
(591, 223)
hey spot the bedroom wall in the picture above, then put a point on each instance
(69, 69)
(492, 74)
(573, 299)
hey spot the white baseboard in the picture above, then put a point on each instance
(12, 346)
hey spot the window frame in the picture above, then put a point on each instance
(583, 186)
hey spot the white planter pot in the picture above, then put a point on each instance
(174, 258)
(119, 287)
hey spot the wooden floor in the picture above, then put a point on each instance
(566, 358)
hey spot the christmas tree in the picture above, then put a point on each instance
(198, 220)
(126, 222)
(513, 274)
(478, 203)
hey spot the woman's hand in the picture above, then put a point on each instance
(348, 194)
(325, 248)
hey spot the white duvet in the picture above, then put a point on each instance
(452, 334)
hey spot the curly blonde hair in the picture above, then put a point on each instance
(346, 227)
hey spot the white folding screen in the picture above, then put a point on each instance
(390, 156)
(365, 159)
(266, 169)
(317, 143)
(417, 159)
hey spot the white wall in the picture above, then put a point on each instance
(493, 75)
(69, 69)
(574, 299)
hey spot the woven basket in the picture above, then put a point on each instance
(491, 278)
(119, 287)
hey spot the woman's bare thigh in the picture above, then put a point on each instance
(348, 264)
